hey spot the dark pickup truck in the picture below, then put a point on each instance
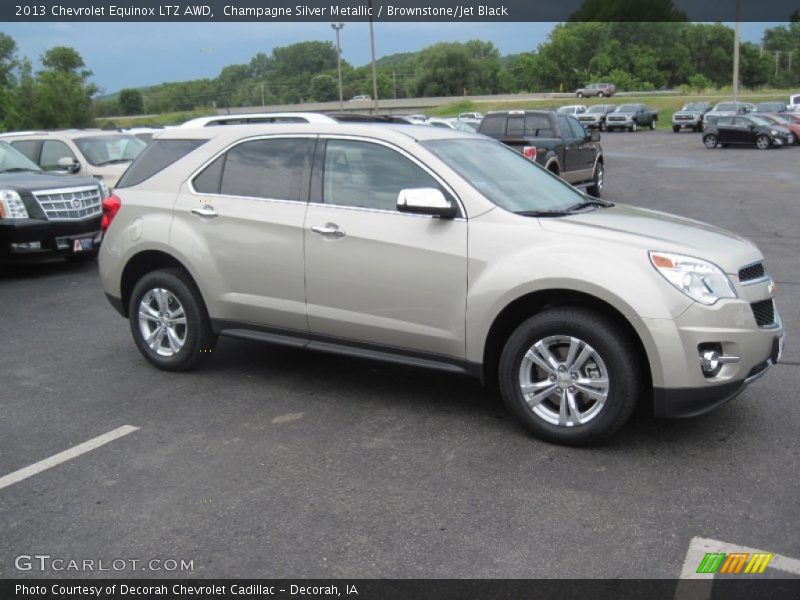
(557, 142)
(631, 117)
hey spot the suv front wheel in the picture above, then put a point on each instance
(570, 376)
(169, 321)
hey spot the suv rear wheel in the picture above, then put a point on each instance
(580, 94)
(169, 321)
(570, 376)
(600, 94)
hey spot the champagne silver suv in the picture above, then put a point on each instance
(440, 249)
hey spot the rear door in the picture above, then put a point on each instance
(377, 277)
(726, 134)
(242, 219)
(585, 150)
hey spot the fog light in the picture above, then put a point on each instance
(712, 359)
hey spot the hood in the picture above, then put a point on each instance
(39, 180)
(109, 173)
(654, 230)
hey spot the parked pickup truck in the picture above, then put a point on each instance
(557, 142)
(631, 117)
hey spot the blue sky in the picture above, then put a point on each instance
(139, 54)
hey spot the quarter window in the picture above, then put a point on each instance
(271, 168)
(368, 175)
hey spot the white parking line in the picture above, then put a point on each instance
(698, 548)
(66, 455)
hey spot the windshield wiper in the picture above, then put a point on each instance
(542, 213)
(20, 170)
(588, 203)
(114, 161)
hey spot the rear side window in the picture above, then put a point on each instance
(158, 155)
(52, 152)
(538, 126)
(271, 168)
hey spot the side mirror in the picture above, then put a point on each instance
(594, 136)
(426, 201)
(69, 164)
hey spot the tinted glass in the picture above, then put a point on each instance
(52, 151)
(723, 121)
(369, 175)
(29, 148)
(577, 129)
(272, 168)
(158, 155)
(505, 177)
(493, 125)
(210, 178)
(516, 125)
(538, 126)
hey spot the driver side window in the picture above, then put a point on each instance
(368, 175)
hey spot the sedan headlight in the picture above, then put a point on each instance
(773, 132)
(12, 206)
(699, 279)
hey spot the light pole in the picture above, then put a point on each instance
(736, 51)
(337, 27)
(374, 69)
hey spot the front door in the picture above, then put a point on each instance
(376, 276)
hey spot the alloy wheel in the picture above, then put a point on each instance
(162, 322)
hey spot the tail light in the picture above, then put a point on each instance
(529, 152)
(111, 206)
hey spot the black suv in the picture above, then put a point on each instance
(557, 142)
(44, 215)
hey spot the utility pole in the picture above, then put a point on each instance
(736, 51)
(394, 84)
(262, 94)
(338, 27)
(777, 56)
(790, 60)
(374, 68)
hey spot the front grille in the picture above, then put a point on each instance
(764, 312)
(683, 117)
(750, 272)
(616, 118)
(70, 204)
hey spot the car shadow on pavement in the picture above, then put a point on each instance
(47, 268)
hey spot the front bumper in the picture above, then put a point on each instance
(31, 239)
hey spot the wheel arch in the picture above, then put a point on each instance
(145, 262)
(522, 308)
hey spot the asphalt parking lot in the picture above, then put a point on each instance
(273, 462)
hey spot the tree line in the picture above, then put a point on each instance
(633, 56)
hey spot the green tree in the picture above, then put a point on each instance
(131, 102)
(62, 96)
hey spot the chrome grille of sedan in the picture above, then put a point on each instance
(70, 204)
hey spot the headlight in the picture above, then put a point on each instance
(12, 206)
(699, 279)
(104, 193)
(773, 132)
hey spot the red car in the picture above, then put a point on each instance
(791, 122)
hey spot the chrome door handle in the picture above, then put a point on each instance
(206, 211)
(330, 230)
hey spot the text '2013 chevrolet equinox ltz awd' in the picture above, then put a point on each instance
(441, 249)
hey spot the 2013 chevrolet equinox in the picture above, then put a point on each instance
(441, 249)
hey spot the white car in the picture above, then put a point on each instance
(794, 102)
(572, 109)
(250, 118)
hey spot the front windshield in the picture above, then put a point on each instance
(565, 110)
(597, 109)
(12, 159)
(693, 106)
(725, 106)
(103, 150)
(760, 121)
(627, 108)
(504, 176)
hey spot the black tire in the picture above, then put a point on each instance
(710, 140)
(598, 177)
(198, 338)
(676, 128)
(653, 124)
(634, 127)
(600, 94)
(603, 126)
(619, 360)
(580, 94)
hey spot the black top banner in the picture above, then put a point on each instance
(399, 10)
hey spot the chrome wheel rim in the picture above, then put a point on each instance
(162, 322)
(762, 142)
(599, 177)
(711, 141)
(564, 381)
